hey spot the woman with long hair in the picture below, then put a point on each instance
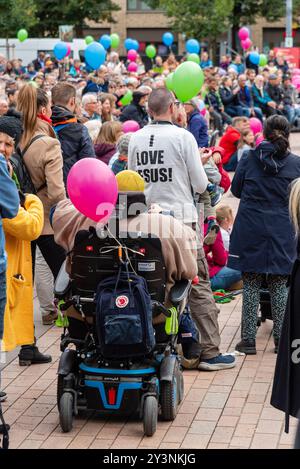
(108, 102)
(286, 386)
(43, 159)
(263, 242)
(106, 143)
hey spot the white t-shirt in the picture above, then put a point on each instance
(168, 159)
(225, 238)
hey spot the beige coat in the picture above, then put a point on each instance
(44, 163)
(178, 240)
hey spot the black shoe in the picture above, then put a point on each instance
(246, 346)
(30, 355)
(4, 429)
(276, 342)
(3, 396)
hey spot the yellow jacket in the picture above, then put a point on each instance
(19, 232)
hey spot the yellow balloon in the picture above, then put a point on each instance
(130, 181)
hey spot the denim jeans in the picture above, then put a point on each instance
(235, 111)
(225, 278)
(232, 163)
(2, 301)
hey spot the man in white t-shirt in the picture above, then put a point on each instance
(168, 159)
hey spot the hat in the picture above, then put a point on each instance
(130, 181)
(12, 125)
(123, 143)
(273, 76)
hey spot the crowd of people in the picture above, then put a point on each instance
(55, 114)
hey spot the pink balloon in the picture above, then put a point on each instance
(244, 33)
(246, 43)
(130, 126)
(132, 67)
(203, 112)
(92, 188)
(69, 50)
(132, 55)
(259, 139)
(255, 125)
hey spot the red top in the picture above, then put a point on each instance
(225, 179)
(216, 254)
(229, 143)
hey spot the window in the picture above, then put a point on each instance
(138, 5)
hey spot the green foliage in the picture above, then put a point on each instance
(16, 14)
(53, 13)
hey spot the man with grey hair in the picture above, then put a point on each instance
(168, 159)
(92, 108)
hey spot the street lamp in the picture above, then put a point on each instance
(289, 24)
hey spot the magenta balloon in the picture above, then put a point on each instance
(259, 139)
(132, 67)
(92, 188)
(130, 126)
(69, 50)
(255, 125)
(246, 44)
(244, 33)
(132, 55)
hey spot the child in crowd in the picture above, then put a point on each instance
(247, 141)
(119, 161)
(225, 220)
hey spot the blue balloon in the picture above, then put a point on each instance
(135, 44)
(192, 46)
(128, 43)
(60, 50)
(105, 41)
(254, 58)
(168, 39)
(95, 55)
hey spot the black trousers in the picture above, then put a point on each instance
(53, 254)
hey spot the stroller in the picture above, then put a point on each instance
(147, 385)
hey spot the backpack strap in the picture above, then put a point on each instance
(22, 153)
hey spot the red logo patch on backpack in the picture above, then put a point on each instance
(122, 301)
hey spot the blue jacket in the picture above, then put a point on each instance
(263, 239)
(197, 125)
(9, 205)
(245, 97)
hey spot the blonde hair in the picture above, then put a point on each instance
(110, 132)
(223, 212)
(294, 205)
(30, 99)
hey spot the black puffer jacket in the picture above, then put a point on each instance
(73, 136)
(135, 112)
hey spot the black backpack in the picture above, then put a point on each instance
(19, 167)
(124, 317)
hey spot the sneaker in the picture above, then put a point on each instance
(211, 235)
(3, 396)
(30, 355)
(215, 193)
(49, 319)
(220, 362)
(246, 346)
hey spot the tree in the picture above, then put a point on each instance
(206, 19)
(215, 17)
(53, 13)
(14, 15)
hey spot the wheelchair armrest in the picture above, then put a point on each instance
(180, 291)
(62, 282)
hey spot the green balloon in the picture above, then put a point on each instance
(169, 82)
(22, 35)
(263, 60)
(187, 81)
(194, 58)
(151, 52)
(127, 98)
(115, 41)
(89, 40)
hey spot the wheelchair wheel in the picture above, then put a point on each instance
(180, 387)
(66, 412)
(170, 396)
(150, 415)
(60, 389)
